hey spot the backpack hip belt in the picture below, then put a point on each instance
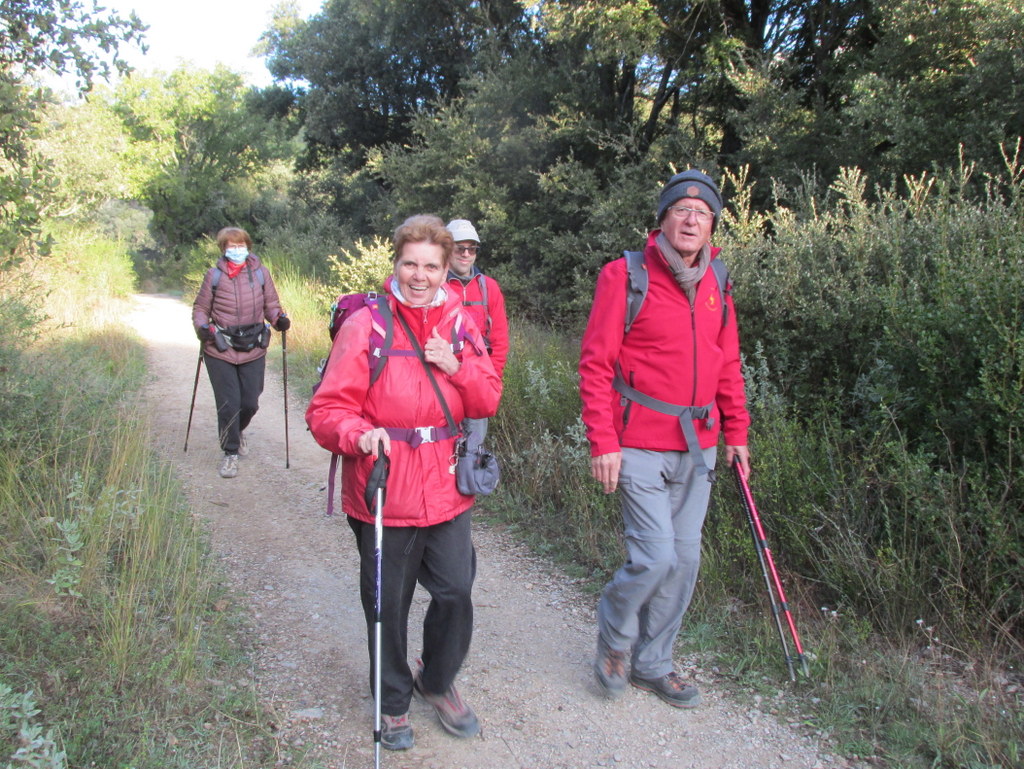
(414, 436)
(686, 416)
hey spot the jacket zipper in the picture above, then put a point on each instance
(693, 336)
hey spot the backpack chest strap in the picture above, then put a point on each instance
(686, 415)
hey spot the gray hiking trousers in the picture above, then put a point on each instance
(664, 502)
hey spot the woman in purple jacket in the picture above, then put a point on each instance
(236, 298)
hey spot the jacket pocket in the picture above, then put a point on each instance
(627, 404)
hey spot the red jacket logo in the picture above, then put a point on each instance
(712, 303)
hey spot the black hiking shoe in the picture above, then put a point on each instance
(396, 732)
(670, 688)
(610, 670)
(455, 716)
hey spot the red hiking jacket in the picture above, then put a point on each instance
(498, 335)
(420, 489)
(674, 352)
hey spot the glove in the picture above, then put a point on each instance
(203, 334)
(283, 322)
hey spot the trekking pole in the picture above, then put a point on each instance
(284, 362)
(376, 485)
(195, 386)
(764, 557)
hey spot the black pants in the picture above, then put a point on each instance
(443, 560)
(236, 390)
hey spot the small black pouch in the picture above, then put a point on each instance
(245, 338)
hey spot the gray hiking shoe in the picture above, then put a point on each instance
(610, 670)
(669, 688)
(229, 467)
(455, 716)
(396, 732)
(243, 445)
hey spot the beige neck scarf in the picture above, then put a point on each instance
(686, 277)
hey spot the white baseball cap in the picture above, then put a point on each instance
(462, 229)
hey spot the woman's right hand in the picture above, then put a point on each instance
(371, 439)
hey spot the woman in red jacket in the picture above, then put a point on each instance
(228, 314)
(427, 534)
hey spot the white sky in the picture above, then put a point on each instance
(203, 32)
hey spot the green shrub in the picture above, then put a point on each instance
(546, 489)
(894, 332)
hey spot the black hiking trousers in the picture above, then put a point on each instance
(442, 559)
(236, 391)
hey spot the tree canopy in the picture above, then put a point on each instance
(45, 36)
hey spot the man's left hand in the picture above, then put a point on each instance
(738, 452)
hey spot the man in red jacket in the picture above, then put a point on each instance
(482, 298)
(481, 295)
(655, 399)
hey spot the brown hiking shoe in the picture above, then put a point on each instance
(670, 688)
(610, 670)
(455, 715)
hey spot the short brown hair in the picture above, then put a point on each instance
(424, 228)
(228, 234)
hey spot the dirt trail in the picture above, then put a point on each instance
(528, 674)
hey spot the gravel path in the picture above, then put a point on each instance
(528, 674)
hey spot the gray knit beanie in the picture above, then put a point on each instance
(690, 184)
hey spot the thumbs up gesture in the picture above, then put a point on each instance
(439, 352)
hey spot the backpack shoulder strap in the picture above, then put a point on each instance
(636, 285)
(216, 273)
(383, 328)
(482, 280)
(258, 272)
(724, 286)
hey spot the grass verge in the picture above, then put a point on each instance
(117, 647)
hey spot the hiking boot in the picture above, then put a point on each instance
(456, 716)
(396, 732)
(610, 670)
(229, 467)
(243, 445)
(670, 688)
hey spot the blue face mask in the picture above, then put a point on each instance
(236, 254)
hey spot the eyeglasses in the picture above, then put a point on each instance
(473, 250)
(681, 212)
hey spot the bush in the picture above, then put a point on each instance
(894, 331)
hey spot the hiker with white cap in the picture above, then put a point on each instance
(482, 298)
(660, 381)
(480, 293)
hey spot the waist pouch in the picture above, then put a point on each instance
(242, 338)
(477, 472)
